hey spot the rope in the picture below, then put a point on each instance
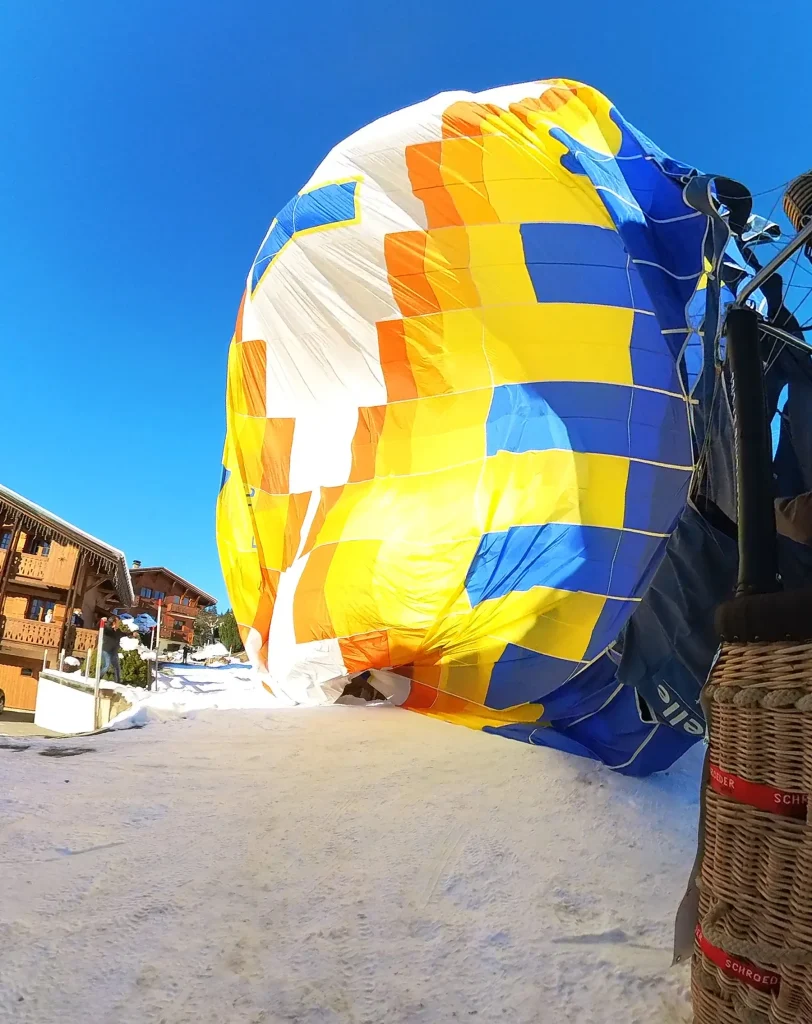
(760, 696)
(758, 952)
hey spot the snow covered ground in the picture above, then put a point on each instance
(334, 865)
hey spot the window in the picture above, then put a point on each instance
(40, 610)
(159, 595)
(174, 599)
(27, 672)
(5, 540)
(177, 624)
(186, 600)
(35, 545)
(146, 592)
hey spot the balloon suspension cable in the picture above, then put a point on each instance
(758, 552)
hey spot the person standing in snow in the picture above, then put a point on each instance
(111, 644)
(185, 653)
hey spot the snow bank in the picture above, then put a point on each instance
(217, 650)
(185, 690)
(336, 866)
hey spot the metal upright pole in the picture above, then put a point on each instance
(158, 633)
(758, 555)
(97, 685)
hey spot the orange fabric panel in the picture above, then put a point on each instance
(276, 449)
(464, 119)
(365, 442)
(368, 651)
(397, 372)
(405, 255)
(552, 99)
(424, 164)
(311, 616)
(421, 697)
(253, 364)
(264, 613)
(297, 510)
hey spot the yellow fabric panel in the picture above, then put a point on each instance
(235, 395)
(249, 436)
(548, 200)
(554, 622)
(506, 158)
(461, 163)
(447, 249)
(397, 508)
(369, 583)
(239, 558)
(270, 516)
(553, 486)
(506, 284)
(430, 434)
(498, 266)
(459, 711)
(587, 118)
(573, 342)
(348, 588)
(454, 289)
(445, 352)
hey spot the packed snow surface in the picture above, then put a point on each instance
(334, 865)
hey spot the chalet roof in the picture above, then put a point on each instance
(207, 598)
(15, 507)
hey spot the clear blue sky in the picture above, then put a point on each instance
(147, 146)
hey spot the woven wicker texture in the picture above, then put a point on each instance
(756, 879)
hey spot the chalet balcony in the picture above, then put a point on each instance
(46, 634)
(181, 609)
(31, 567)
(28, 631)
(51, 569)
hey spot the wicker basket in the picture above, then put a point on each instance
(753, 956)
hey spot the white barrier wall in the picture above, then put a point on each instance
(62, 706)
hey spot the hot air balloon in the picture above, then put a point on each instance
(460, 419)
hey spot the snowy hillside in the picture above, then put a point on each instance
(336, 865)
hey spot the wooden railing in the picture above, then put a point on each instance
(181, 609)
(84, 640)
(33, 567)
(27, 631)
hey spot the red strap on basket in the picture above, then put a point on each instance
(741, 970)
(756, 794)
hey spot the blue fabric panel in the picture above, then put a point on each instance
(583, 695)
(592, 716)
(596, 286)
(607, 419)
(653, 365)
(582, 245)
(522, 676)
(558, 555)
(644, 200)
(612, 619)
(653, 495)
(330, 204)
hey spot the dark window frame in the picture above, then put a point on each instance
(43, 606)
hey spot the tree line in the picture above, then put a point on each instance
(211, 626)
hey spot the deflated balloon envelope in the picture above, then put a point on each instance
(458, 435)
